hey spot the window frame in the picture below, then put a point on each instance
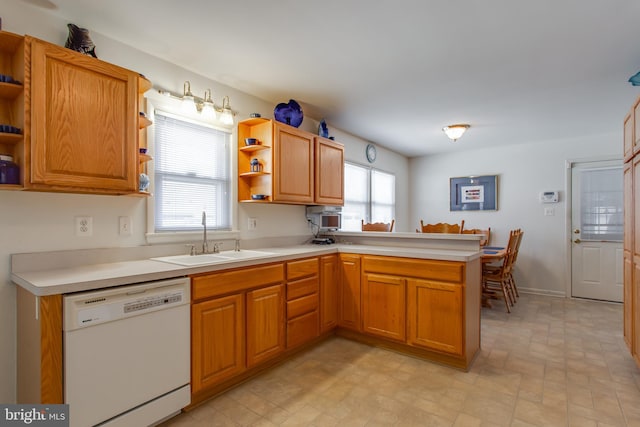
(369, 202)
(172, 107)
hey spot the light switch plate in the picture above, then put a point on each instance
(124, 223)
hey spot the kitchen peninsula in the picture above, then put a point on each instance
(410, 292)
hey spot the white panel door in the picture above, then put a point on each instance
(597, 223)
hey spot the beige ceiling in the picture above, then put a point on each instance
(396, 72)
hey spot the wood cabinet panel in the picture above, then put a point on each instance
(349, 298)
(448, 271)
(302, 329)
(329, 284)
(636, 126)
(435, 316)
(293, 165)
(635, 295)
(265, 324)
(217, 345)
(628, 245)
(384, 306)
(302, 268)
(300, 306)
(214, 284)
(629, 136)
(84, 121)
(302, 287)
(329, 172)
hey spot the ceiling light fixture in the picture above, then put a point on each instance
(454, 132)
(192, 105)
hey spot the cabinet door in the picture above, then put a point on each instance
(628, 245)
(217, 341)
(329, 282)
(349, 293)
(293, 165)
(384, 306)
(629, 139)
(636, 126)
(329, 172)
(435, 315)
(265, 324)
(84, 122)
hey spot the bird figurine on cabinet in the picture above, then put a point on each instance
(80, 41)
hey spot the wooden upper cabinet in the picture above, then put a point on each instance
(84, 123)
(636, 126)
(629, 138)
(329, 172)
(293, 165)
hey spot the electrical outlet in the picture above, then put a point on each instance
(549, 212)
(252, 223)
(125, 225)
(84, 226)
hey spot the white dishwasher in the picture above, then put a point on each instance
(127, 353)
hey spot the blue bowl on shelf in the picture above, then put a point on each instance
(250, 141)
(258, 196)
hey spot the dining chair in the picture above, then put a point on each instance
(441, 227)
(486, 232)
(497, 277)
(513, 263)
(378, 226)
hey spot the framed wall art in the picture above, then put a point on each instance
(473, 193)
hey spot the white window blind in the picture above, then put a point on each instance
(369, 195)
(192, 175)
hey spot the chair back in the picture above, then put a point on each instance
(486, 233)
(378, 226)
(441, 227)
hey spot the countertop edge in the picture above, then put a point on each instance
(98, 276)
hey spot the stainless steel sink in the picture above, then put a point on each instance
(206, 259)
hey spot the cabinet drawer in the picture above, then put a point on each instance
(302, 305)
(213, 284)
(302, 268)
(448, 271)
(302, 329)
(302, 287)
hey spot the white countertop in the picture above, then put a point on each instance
(95, 276)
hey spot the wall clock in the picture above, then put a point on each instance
(371, 153)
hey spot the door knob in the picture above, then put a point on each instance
(576, 231)
(577, 241)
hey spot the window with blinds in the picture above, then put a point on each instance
(192, 175)
(369, 196)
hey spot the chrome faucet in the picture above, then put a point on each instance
(205, 246)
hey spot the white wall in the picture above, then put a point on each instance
(523, 172)
(32, 222)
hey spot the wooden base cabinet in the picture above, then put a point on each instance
(237, 324)
(303, 317)
(434, 311)
(265, 324)
(384, 306)
(217, 349)
(349, 299)
(329, 285)
(425, 307)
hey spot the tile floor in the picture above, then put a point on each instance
(551, 362)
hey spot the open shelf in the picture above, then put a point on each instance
(251, 174)
(10, 138)
(252, 148)
(10, 90)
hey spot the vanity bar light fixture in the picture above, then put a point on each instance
(192, 104)
(455, 131)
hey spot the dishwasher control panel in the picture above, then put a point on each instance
(144, 304)
(96, 307)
